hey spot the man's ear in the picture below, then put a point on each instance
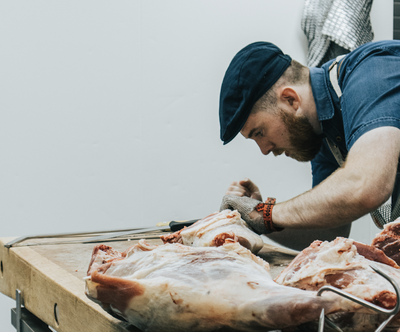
(290, 98)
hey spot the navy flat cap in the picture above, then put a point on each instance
(253, 71)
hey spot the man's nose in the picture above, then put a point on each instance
(265, 148)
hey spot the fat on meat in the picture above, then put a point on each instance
(174, 287)
(213, 230)
(388, 240)
(345, 264)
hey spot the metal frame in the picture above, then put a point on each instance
(24, 321)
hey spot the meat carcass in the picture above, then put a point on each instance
(174, 287)
(213, 230)
(389, 240)
(345, 264)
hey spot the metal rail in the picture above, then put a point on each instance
(62, 235)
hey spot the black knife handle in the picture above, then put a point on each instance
(177, 225)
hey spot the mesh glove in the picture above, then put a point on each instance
(245, 206)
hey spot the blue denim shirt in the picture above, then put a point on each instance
(370, 82)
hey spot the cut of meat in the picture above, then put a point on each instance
(215, 229)
(389, 240)
(173, 287)
(339, 263)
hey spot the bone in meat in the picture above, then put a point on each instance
(213, 230)
(174, 287)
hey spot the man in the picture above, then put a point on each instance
(343, 117)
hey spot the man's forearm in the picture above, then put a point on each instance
(332, 203)
(363, 184)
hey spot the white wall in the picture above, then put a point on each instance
(109, 111)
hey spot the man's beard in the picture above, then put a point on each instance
(305, 144)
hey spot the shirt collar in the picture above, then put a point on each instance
(320, 90)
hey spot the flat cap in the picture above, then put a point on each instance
(251, 73)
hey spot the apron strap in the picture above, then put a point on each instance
(333, 76)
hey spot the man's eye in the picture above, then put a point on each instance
(258, 133)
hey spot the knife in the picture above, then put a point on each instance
(176, 225)
(162, 226)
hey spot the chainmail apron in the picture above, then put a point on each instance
(389, 211)
(335, 27)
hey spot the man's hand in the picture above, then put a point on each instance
(246, 207)
(244, 188)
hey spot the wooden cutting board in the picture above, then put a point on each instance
(50, 278)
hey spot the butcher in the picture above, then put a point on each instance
(343, 117)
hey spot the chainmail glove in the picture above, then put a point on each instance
(245, 206)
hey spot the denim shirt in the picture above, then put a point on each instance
(370, 82)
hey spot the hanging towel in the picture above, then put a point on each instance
(335, 27)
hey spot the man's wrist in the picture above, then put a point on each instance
(266, 209)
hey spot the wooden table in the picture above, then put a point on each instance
(50, 278)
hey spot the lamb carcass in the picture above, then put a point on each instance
(174, 287)
(213, 230)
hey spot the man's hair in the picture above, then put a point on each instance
(295, 74)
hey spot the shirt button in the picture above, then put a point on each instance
(338, 138)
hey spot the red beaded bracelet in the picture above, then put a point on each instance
(267, 214)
